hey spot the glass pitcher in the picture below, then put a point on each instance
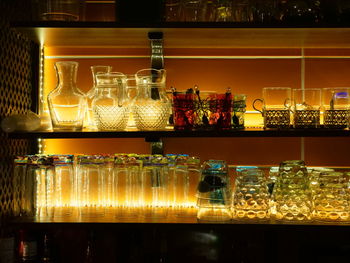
(66, 102)
(89, 121)
(110, 105)
(152, 106)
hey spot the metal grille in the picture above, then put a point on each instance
(16, 86)
(307, 119)
(276, 119)
(337, 119)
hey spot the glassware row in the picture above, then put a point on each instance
(282, 106)
(123, 185)
(290, 193)
(153, 186)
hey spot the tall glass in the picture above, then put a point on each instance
(64, 185)
(89, 121)
(66, 102)
(19, 185)
(307, 104)
(336, 106)
(127, 185)
(184, 113)
(59, 10)
(155, 187)
(92, 172)
(291, 193)
(193, 10)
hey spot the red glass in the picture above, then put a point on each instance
(184, 110)
(220, 108)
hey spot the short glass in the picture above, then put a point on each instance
(336, 106)
(193, 10)
(331, 197)
(238, 111)
(184, 114)
(291, 194)
(213, 110)
(214, 194)
(172, 10)
(306, 108)
(59, 10)
(251, 199)
(276, 104)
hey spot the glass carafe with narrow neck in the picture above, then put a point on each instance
(89, 121)
(152, 106)
(66, 102)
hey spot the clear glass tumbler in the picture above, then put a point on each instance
(330, 197)
(291, 194)
(336, 106)
(306, 108)
(214, 194)
(155, 187)
(92, 173)
(251, 199)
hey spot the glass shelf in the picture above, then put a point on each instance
(155, 135)
(186, 35)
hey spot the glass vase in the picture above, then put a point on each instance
(66, 102)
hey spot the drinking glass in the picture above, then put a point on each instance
(291, 193)
(251, 198)
(59, 10)
(172, 9)
(214, 194)
(238, 111)
(64, 185)
(19, 185)
(92, 173)
(241, 11)
(193, 10)
(276, 107)
(223, 11)
(213, 110)
(331, 197)
(127, 185)
(155, 186)
(184, 114)
(336, 105)
(307, 104)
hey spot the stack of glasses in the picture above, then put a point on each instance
(290, 195)
(121, 185)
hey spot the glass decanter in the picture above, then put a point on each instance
(66, 102)
(152, 106)
(89, 121)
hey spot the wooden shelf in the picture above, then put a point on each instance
(155, 135)
(184, 35)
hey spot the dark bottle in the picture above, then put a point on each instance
(47, 254)
(27, 248)
(90, 253)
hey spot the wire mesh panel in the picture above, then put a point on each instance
(16, 87)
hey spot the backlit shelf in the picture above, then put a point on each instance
(185, 35)
(155, 135)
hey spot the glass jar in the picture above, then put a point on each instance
(89, 121)
(152, 106)
(66, 102)
(110, 105)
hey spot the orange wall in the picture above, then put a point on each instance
(247, 74)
